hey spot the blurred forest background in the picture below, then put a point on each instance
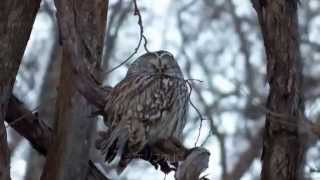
(216, 41)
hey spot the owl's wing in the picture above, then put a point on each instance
(124, 95)
(149, 99)
(119, 116)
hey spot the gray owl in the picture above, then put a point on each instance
(148, 105)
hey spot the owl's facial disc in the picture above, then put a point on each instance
(163, 61)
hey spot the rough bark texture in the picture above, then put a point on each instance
(82, 26)
(22, 120)
(16, 20)
(283, 148)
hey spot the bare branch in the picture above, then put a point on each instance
(41, 135)
(194, 165)
(142, 37)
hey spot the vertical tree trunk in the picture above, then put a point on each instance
(16, 20)
(82, 26)
(283, 149)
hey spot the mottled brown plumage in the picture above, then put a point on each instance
(148, 105)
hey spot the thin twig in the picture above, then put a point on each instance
(188, 81)
(142, 37)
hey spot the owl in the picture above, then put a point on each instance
(148, 105)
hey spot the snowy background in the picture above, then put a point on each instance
(217, 42)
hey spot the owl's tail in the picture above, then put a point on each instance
(112, 143)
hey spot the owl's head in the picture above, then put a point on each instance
(159, 62)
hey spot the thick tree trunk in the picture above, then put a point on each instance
(82, 26)
(68, 157)
(283, 148)
(16, 20)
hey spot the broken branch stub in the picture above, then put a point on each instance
(194, 164)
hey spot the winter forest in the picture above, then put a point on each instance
(159, 89)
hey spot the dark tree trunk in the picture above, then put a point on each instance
(283, 148)
(68, 156)
(16, 20)
(82, 26)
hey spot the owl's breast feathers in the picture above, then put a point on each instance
(159, 103)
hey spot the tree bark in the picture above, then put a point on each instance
(283, 148)
(82, 25)
(16, 20)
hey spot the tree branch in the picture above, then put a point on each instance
(40, 136)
